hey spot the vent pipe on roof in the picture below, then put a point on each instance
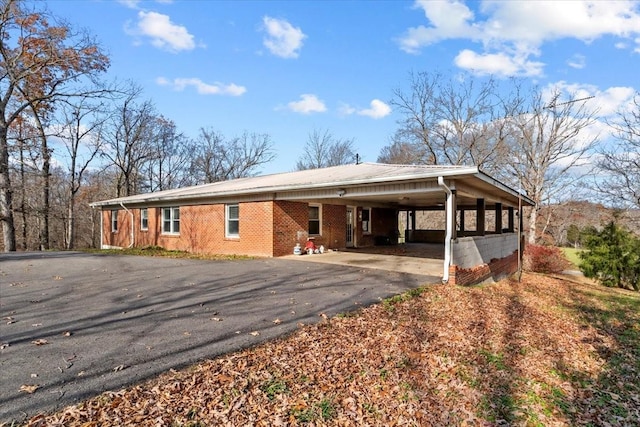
(449, 229)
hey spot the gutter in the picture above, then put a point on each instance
(130, 213)
(449, 231)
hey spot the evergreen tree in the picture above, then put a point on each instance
(612, 257)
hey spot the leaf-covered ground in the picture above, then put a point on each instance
(545, 351)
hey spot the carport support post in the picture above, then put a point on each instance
(499, 218)
(450, 230)
(461, 219)
(480, 217)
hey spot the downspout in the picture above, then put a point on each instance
(132, 225)
(101, 228)
(449, 229)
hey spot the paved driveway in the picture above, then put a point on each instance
(110, 321)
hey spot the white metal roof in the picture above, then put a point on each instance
(331, 177)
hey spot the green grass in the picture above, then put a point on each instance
(161, 252)
(572, 255)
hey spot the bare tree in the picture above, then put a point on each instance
(404, 153)
(168, 165)
(447, 121)
(38, 63)
(323, 150)
(220, 159)
(80, 130)
(549, 148)
(621, 163)
(128, 138)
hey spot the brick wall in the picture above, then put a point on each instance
(266, 229)
(334, 227)
(496, 269)
(290, 226)
(120, 238)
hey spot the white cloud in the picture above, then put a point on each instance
(201, 87)
(518, 29)
(163, 33)
(377, 110)
(133, 4)
(346, 109)
(282, 38)
(308, 104)
(577, 61)
(500, 64)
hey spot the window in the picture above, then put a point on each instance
(366, 220)
(314, 220)
(144, 219)
(232, 221)
(114, 220)
(171, 220)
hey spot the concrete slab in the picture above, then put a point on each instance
(401, 264)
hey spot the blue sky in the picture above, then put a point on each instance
(286, 68)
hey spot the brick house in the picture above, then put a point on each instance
(337, 207)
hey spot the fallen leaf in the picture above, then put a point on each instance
(40, 341)
(277, 321)
(34, 375)
(66, 333)
(254, 333)
(216, 319)
(57, 278)
(36, 324)
(4, 345)
(29, 388)
(119, 368)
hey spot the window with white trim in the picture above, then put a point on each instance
(114, 220)
(314, 220)
(232, 221)
(366, 220)
(144, 219)
(171, 220)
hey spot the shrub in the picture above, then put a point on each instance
(544, 259)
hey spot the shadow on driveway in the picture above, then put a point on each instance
(110, 321)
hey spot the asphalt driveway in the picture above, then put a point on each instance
(76, 324)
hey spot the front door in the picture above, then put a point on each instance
(350, 221)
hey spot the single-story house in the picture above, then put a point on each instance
(339, 207)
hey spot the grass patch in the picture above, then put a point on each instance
(573, 256)
(158, 251)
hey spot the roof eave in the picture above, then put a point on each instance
(459, 172)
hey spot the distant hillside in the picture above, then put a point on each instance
(554, 220)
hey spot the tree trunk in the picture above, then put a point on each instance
(46, 180)
(71, 221)
(23, 196)
(533, 217)
(6, 209)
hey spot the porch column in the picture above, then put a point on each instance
(461, 219)
(499, 218)
(511, 221)
(480, 215)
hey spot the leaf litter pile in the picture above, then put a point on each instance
(546, 351)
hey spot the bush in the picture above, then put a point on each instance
(544, 259)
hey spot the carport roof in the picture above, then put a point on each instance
(317, 179)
